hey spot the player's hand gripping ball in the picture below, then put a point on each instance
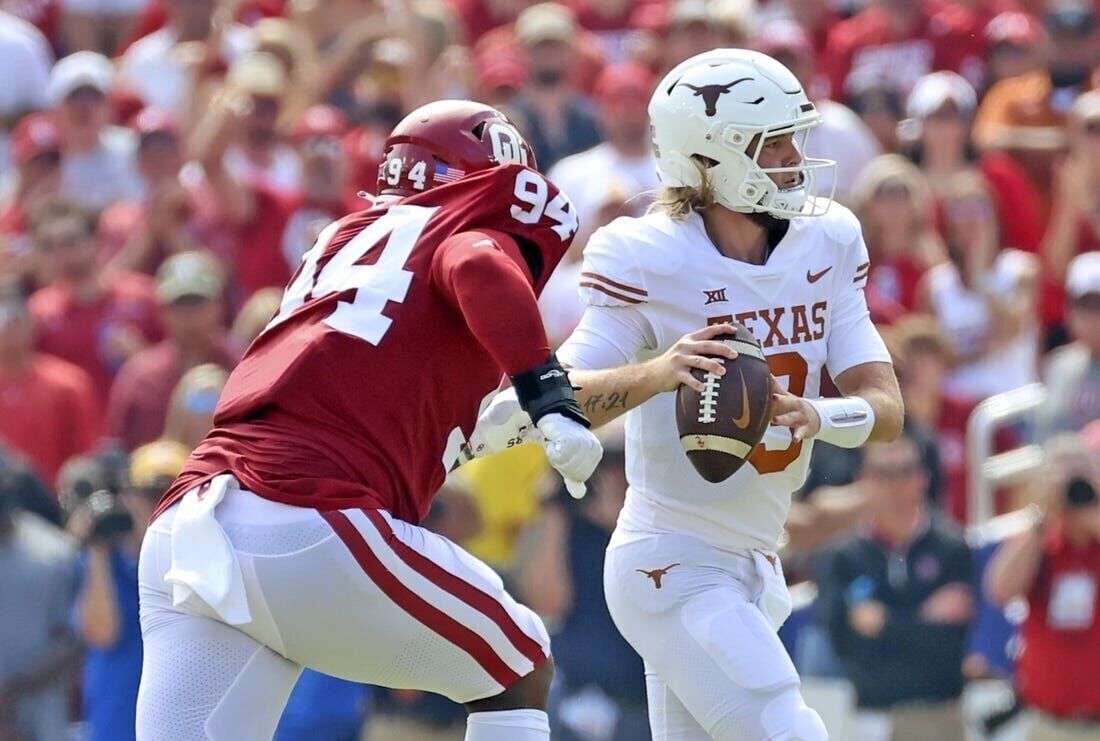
(720, 425)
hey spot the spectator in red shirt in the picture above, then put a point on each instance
(1074, 225)
(36, 154)
(924, 357)
(1012, 46)
(255, 214)
(98, 25)
(898, 41)
(894, 204)
(1055, 567)
(481, 16)
(190, 287)
(48, 408)
(139, 235)
(324, 196)
(90, 318)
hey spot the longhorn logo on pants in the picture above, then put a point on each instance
(657, 574)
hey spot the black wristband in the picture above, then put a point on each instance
(545, 389)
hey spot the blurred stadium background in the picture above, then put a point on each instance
(165, 163)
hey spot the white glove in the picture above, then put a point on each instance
(501, 426)
(572, 450)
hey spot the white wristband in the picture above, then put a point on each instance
(845, 422)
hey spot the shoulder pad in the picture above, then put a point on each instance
(610, 275)
(839, 224)
(660, 243)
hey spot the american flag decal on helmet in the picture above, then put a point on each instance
(445, 174)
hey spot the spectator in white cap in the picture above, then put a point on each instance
(1072, 373)
(99, 163)
(940, 110)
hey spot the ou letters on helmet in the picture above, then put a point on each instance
(507, 144)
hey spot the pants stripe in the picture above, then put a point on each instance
(412, 603)
(459, 588)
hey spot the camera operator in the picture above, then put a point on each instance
(106, 612)
(1055, 566)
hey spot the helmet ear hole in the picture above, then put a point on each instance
(735, 138)
(479, 129)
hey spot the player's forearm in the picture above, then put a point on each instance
(889, 414)
(876, 384)
(607, 393)
(499, 306)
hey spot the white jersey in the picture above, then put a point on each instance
(649, 281)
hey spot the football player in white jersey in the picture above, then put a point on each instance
(737, 234)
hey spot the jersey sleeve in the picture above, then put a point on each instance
(612, 287)
(610, 275)
(853, 338)
(606, 337)
(482, 274)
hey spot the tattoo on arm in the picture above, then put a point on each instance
(593, 402)
(614, 400)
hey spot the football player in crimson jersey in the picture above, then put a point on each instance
(290, 539)
(738, 233)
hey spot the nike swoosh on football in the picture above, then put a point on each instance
(815, 277)
(742, 420)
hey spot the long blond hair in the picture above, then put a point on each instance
(680, 201)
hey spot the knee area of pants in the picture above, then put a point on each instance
(781, 715)
(799, 723)
(532, 690)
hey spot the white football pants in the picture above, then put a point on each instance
(352, 593)
(715, 668)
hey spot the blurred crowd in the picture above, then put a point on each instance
(164, 164)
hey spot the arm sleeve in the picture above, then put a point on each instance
(853, 338)
(613, 289)
(484, 276)
(606, 337)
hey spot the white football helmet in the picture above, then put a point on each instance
(709, 108)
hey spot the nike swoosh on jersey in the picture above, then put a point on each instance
(741, 421)
(815, 277)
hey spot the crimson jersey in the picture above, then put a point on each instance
(391, 336)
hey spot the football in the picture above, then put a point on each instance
(720, 426)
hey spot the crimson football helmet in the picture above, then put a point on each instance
(444, 141)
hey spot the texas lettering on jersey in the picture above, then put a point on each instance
(783, 325)
(664, 278)
(363, 389)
